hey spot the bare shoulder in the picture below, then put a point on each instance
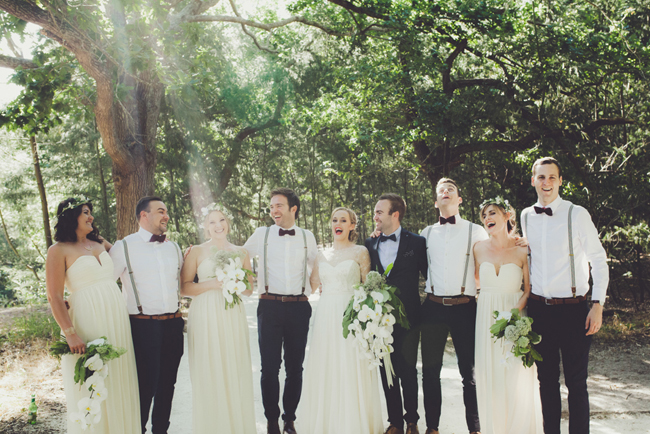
(481, 246)
(522, 251)
(359, 249)
(240, 249)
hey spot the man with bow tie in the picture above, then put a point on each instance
(149, 267)
(450, 306)
(287, 254)
(563, 242)
(407, 252)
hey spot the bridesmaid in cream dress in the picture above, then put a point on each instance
(507, 392)
(80, 262)
(340, 392)
(219, 353)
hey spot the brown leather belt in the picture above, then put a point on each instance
(159, 317)
(554, 301)
(284, 298)
(451, 301)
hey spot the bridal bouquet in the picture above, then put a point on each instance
(370, 316)
(517, 329)
(90, 371)
(230, 271)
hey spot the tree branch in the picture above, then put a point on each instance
(264, 26)
(16, 62)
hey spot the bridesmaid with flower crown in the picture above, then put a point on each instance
(219, 352)
(79, 261)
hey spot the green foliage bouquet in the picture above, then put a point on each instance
(369, 319)
(517, 330)
(90, 371)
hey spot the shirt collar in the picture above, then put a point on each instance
(553, 205)
(397, 233)
(144, 234)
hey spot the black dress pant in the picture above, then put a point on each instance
(282, 325)
(158, 346)
(437, 322)
(562, 328)
(405, 383)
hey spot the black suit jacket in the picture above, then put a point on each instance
(411, 260)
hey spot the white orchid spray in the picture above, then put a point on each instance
(230, 271)
(90, 372)
(373, 311)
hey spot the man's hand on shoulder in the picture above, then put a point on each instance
(521, 242)
(594, 319)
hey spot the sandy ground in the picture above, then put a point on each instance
(619, 389)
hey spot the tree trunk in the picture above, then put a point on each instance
(132, 184)
(13, 248)
(102, 184)
(41, 192)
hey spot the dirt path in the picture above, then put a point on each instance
(619, 389)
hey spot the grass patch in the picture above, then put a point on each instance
(30, 327)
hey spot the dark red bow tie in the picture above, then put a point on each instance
(545, 210)
(291, 232)
(450, 220)
(157, 238)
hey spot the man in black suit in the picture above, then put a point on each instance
(407, 252)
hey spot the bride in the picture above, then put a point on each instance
(507, 392)
(219, 353)
(341, 393)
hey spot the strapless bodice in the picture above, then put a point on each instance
(340, 277)
(507, 281)
(87, 271)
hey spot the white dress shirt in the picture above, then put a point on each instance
(447, 249)
(155, 272)
(285, 263)
(548, 238)
(387, 250)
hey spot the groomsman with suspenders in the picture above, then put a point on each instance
(450, 305)
(287, 254)
(563, 242)
(149, 267)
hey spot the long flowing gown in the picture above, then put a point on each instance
(340, 393)
(220, 363)
(508, 392)
(97, 309)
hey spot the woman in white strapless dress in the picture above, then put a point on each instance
(340, 392)
(507, 392)
(80, 262)
(219, 352)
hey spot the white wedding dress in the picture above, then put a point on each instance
(98, 309)
(507, 392)
(340, 392)
(220, 363)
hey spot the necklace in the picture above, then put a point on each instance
(88, 248)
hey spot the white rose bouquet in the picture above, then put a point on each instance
(90, 371)
(369, 319)
(517, 330)
(230, 271)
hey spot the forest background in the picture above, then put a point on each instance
(221, 101)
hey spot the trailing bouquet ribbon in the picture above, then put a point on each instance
(370, 317)
(90, 371)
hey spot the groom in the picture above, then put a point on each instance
(563, 243)
(407, 252)
(287, 254)
(149, 267)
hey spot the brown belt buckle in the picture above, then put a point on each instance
(546, 301)
(283, 298)
(444, 301)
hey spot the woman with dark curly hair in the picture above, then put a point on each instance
(79, 261)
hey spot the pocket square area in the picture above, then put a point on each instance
(409, 253)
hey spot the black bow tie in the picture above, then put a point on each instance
(451, 220)
(389, 237)
(291, 232)
(540, 210)
(157, 238)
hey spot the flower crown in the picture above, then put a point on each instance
(215, 207)
(498, 201)
(75, 203)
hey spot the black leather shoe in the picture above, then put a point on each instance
(273, 427)
(289, 428)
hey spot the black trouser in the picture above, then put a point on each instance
(158, 346)
(282, 325)
(405, 383)
(562, 328)
(437, 322)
